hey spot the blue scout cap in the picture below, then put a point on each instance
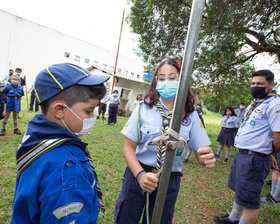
(58, 77)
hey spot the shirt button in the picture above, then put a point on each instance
(69, 164)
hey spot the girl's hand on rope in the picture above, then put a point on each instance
(149, 182)
(206, 157)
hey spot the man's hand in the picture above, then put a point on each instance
(149, 182)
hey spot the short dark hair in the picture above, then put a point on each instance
(269, 76)
(115, 91)
(75, 94)
(242, 103)
(19, 69)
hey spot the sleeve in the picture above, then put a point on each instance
(22, 92)
(132, 127)
(198, 135)
(273, 116)
(6, 90)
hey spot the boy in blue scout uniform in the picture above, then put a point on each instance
(3, 100)
(56, 179)
(14, 92)
(149, 120)
(113, 107)
(257, 138)
(227, 134)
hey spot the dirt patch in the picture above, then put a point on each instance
(8, 134)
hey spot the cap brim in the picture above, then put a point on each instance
(93, 79)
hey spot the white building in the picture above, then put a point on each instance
(32, 47)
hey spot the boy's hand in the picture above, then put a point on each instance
(149, 182)
(206, 156)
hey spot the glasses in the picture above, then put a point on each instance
(169, 77)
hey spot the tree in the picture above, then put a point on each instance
(232, 33)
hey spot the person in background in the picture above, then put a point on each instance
(14, 92)
(3, 100)
(240, 112)
(257, 138)
(33, 100)
(144, 159)
(138, 99)
(113, 107)
(18, 72)
(227, 133)
(274, 195)
(102, 107)
(7, 77)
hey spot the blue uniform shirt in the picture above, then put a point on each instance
(256, 133)
(240, 114)
(114, 99)
(151, 123)
(13, 91)
(229, 122)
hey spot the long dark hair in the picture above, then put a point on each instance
(232, 111)
(152, 95)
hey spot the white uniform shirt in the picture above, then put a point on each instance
(256, 133)
(151, 123)
(229, 122)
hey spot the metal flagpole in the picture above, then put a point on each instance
(186, 71)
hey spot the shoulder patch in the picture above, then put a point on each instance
(74, 207)
(258, 111)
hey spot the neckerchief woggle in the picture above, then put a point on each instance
(161, 150)
(41, 137)
(254, 104)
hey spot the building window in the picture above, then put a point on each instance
(126, 72)
(119, 70)
(66, 55)
(86, 60)
(112, 68)
(138, 76)
(132, 74)
(95, 63)
(77, 58)
(104, 65)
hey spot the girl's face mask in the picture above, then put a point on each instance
(229, 113)
(167, 89)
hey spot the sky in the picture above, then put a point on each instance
(95, 21)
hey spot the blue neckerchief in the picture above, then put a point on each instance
(40, 130)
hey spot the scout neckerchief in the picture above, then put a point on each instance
(41, 137)
(253, 105)
(161, 150)
(225, 121)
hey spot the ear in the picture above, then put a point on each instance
(58, 109)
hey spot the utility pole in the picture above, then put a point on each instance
(117, 56)
(186, 71)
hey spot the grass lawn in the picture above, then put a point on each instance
(203, 192)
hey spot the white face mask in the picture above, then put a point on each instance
(88, 124)
(241, 107)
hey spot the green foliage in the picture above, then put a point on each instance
(232, 33)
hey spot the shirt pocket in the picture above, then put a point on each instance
(149, 132)
(258, 119)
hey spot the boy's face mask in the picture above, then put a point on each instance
(18, 74)
(88, 124)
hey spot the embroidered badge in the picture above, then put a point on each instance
(179, 152)
(186, 122)
(74, 207)
(258, 111)
(252, 122)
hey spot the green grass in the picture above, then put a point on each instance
(203, 192)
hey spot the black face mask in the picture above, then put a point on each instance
(258, 92)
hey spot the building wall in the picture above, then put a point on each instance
(33, 47)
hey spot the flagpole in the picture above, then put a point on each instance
(181, 97)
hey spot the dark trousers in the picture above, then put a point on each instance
(131, 201)
(32, 99)
(113, 111)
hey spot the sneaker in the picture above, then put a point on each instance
(97, 117)
(3, 132)
(185, 161)
(226, 160)
(17, 131)
(19, 117)
(224, 219)
(216, 156)
(269, 200)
